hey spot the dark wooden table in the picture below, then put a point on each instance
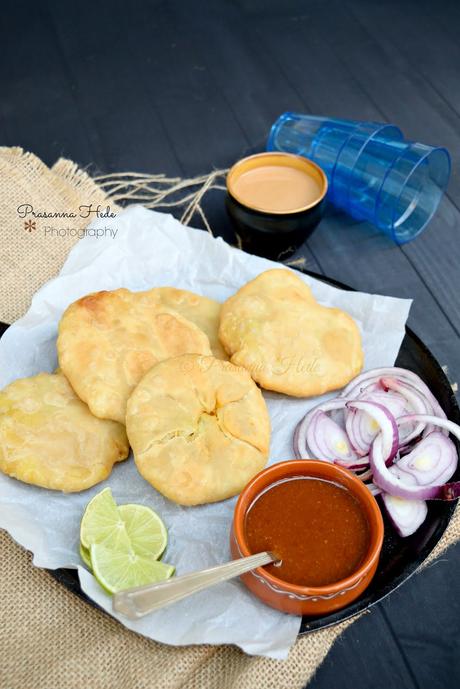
(181, 87)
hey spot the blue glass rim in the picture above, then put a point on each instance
(282, 118)
(436, 149)
(398, 189)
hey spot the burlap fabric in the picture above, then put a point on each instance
(49, 638)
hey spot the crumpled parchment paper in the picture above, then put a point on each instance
(146, 249)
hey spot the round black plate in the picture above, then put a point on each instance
(400, 556)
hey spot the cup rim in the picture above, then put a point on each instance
(428, 154)
(359, 489)
(282, 118)
(297, 160)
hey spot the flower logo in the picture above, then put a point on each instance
(29, 225)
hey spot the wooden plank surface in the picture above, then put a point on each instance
(180, 88)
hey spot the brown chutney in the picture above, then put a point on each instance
(317, 528)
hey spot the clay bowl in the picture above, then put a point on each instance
(305, 600)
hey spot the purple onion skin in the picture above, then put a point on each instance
(450, 491)
(390, 484)
(361, 466)
(295, 441)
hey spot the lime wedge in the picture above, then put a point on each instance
(119, 569)
(146, 532)
(102, 522)
(85, 556)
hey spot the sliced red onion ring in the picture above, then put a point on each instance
(361, 430)
(298, 443)
(384, 411)
(392, 400)
(361, 427)
(365, 475)
(328, 441)
(388, 480)
(432, 461)
(363, 381)
(406, 515)
(310, 440)
(356, 465)
(418, 402)
(385, 421)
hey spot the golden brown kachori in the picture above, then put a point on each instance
(289, 343)
(49, 438)
(202, 311)
(199, 428)
(108, 340)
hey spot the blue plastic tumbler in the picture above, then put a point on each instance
(410, 193)
(373, 173)
(318, 138)
(365, 136)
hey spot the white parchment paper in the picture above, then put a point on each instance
(151, 249)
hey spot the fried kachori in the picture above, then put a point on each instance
(199, 428)
(289, 343)
(49, 438)
(108, 340)
(202, 311)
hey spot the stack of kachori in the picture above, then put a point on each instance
(157, 362)
(108, 340)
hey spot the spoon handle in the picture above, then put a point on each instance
(139, 601)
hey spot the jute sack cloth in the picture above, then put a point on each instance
(50, 638)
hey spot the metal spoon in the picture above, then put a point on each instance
(140, 601)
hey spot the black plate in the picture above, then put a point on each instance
(400, 556)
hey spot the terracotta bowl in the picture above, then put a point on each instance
(306, 600)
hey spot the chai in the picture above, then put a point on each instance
(277, 188)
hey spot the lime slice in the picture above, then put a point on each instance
(146, 532)
(121, 544)
(85, 556)
(120, 569)
(102, 522)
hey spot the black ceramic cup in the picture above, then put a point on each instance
(275, 234)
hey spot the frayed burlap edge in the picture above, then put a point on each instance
(29, 254)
